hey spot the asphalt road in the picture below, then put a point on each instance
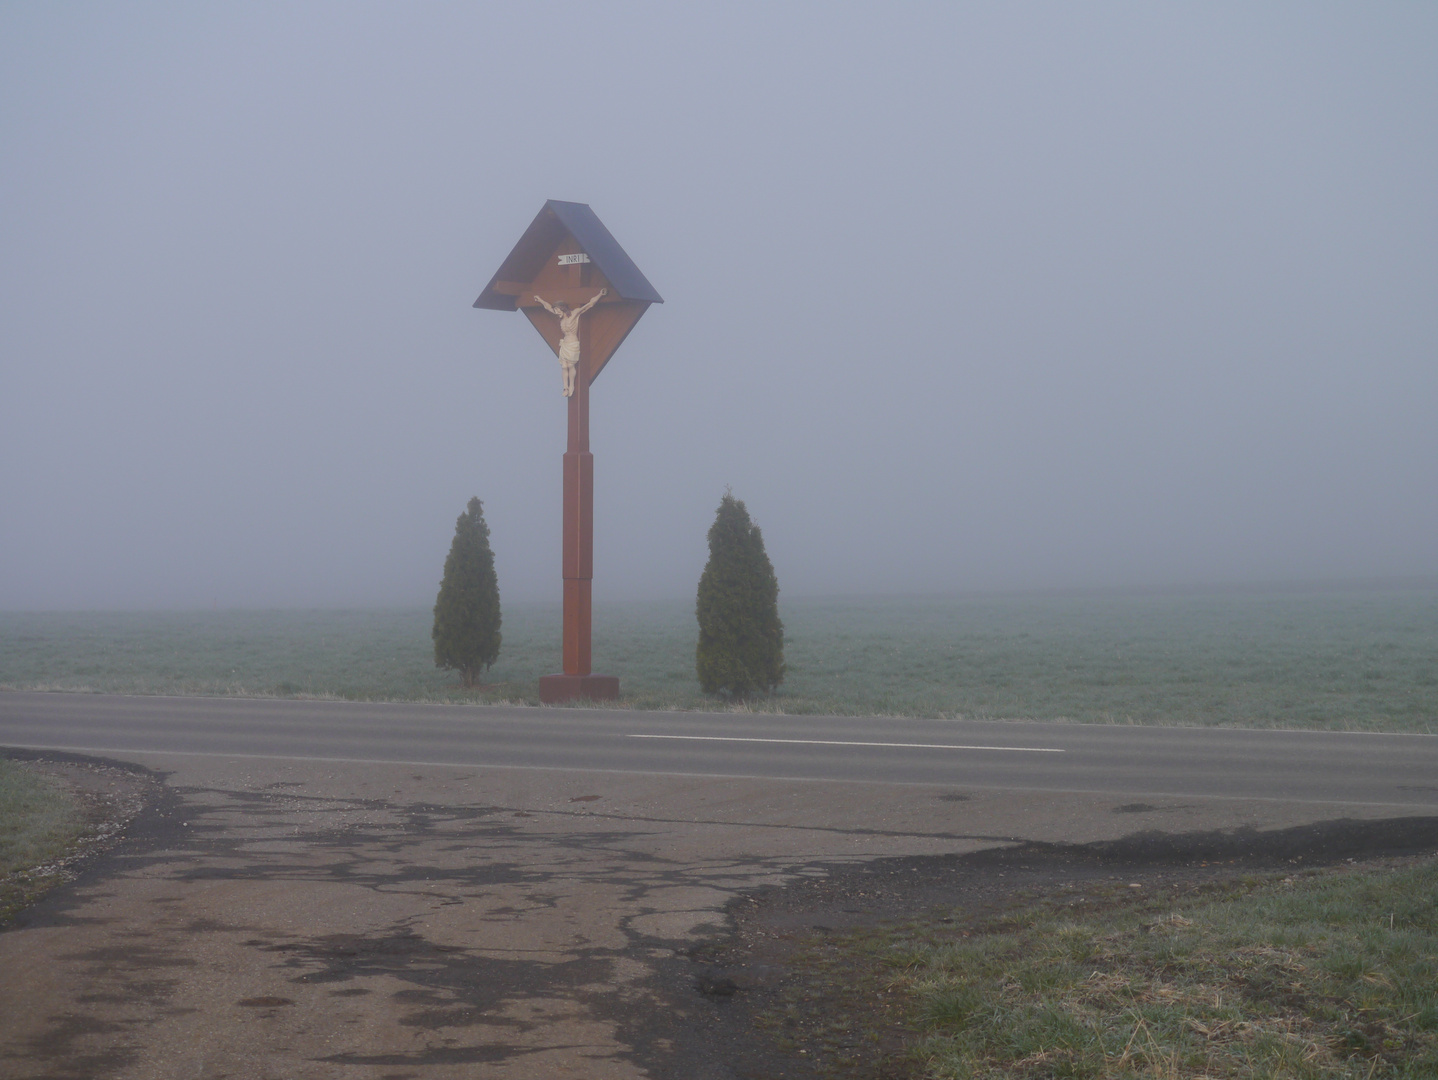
(1395, 770)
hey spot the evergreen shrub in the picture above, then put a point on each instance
(741, 640)
(466, 613)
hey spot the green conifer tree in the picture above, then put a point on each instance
(741, 640)
(466, 613)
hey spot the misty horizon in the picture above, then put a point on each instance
(960, 301)
(1166, 590)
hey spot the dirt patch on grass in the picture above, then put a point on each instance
(805, 985)
(106, 796)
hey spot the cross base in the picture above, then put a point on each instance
(557, 689)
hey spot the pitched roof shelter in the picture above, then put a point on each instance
(567, 254)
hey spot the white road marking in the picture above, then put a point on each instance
(841, 742)
(1117, 792)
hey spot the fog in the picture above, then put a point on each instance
(956, 297)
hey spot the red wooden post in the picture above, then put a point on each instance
(577, 680)
(578, 557)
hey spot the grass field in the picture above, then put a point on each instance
(1307, 974)
(1320, 975)
(1348, 659)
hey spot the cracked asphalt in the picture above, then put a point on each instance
(274, 919)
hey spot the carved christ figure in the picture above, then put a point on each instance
(569, 329)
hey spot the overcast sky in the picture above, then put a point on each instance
(957, 297)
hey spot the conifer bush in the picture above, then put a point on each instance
(466, 613)
(741, 640)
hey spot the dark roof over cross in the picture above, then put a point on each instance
(546, 233)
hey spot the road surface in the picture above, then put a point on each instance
(1306, 766)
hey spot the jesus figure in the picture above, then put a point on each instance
(569, 329)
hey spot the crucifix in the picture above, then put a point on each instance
(569, 334)
(592, 295)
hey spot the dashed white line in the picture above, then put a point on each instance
(842, 742)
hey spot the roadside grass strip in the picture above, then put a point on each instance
(39, 822)
(1325, 974)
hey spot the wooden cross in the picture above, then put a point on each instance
(567, 255)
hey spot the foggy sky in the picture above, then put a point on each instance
(957, 297)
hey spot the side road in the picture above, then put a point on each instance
(298, 919)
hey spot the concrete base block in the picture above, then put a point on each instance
(557, 689)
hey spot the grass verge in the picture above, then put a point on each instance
(1323, 974)
(1341, 660)
(40, 820)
